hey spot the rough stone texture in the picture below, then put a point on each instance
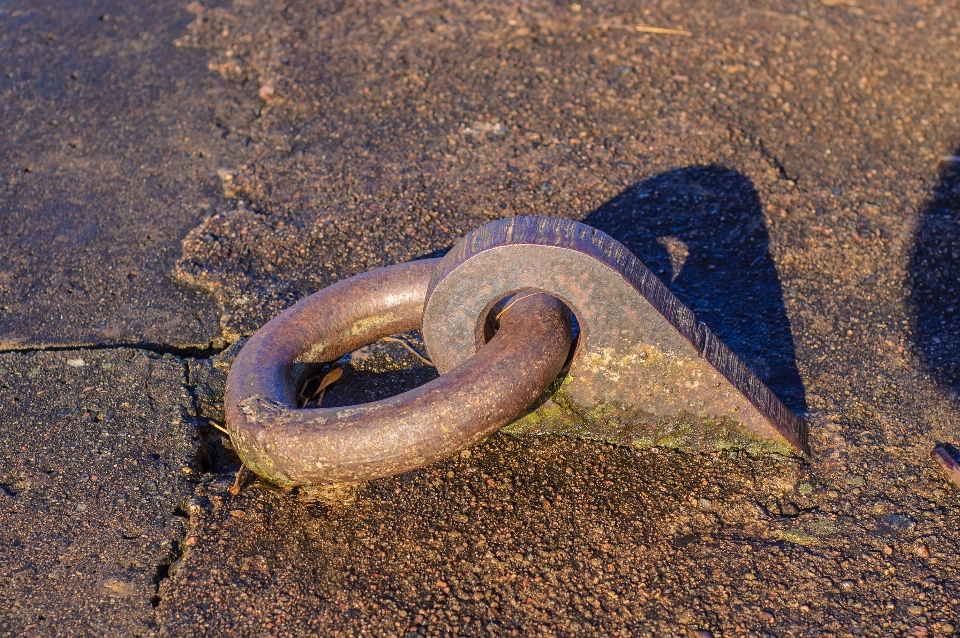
(108, 157)
(92, 463)
(547, 536)
(772, 169)
(780, 169)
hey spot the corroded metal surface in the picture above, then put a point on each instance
(645, 372)
(946, 457)
(292, 446)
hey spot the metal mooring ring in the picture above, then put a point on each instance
(291, 446)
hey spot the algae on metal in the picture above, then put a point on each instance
(558, 413)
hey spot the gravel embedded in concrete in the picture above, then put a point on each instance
(548, 536)
(789, 170)
(92, 472)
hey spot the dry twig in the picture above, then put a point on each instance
(410, 348)
(641, 28)
(218, 426)
(235, 488)
(513, 301)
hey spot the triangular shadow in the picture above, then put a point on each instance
(701, 230)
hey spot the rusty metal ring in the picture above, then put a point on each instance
(291, 446)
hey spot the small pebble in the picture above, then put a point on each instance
(76, 363)
(897, 524)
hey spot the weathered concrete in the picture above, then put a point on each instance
(552, 536)
(108, 156)
(780, 169)
(94, 462)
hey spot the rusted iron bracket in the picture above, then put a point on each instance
(496, 320)
(644, 373)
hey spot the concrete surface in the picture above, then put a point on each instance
(95, 454)
(107, 157)
(785, 169)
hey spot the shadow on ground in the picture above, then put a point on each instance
(934, 295)
(701, 230)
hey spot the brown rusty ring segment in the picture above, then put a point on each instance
(291, 446)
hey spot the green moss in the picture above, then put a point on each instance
(559, 414)
(798, 537)
(823, 526)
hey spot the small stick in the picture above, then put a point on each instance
(218, 426)
(410, 348)
(941, 454)
(301, 397)
(501, 313)
(642, 29)
(235, 488)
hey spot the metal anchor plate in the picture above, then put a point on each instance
(644, 371)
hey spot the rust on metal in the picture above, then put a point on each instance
(476, 397)
(947, 458)
(644, 372)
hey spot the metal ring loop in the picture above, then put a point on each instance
(292, 446)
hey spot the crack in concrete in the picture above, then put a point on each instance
(737, 132)
(775, 161)
(211, 457)
(197, 352)
(167, 567)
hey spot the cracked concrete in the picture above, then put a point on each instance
(96, 454)
(789, 150)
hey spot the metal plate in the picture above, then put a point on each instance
(644, 373)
